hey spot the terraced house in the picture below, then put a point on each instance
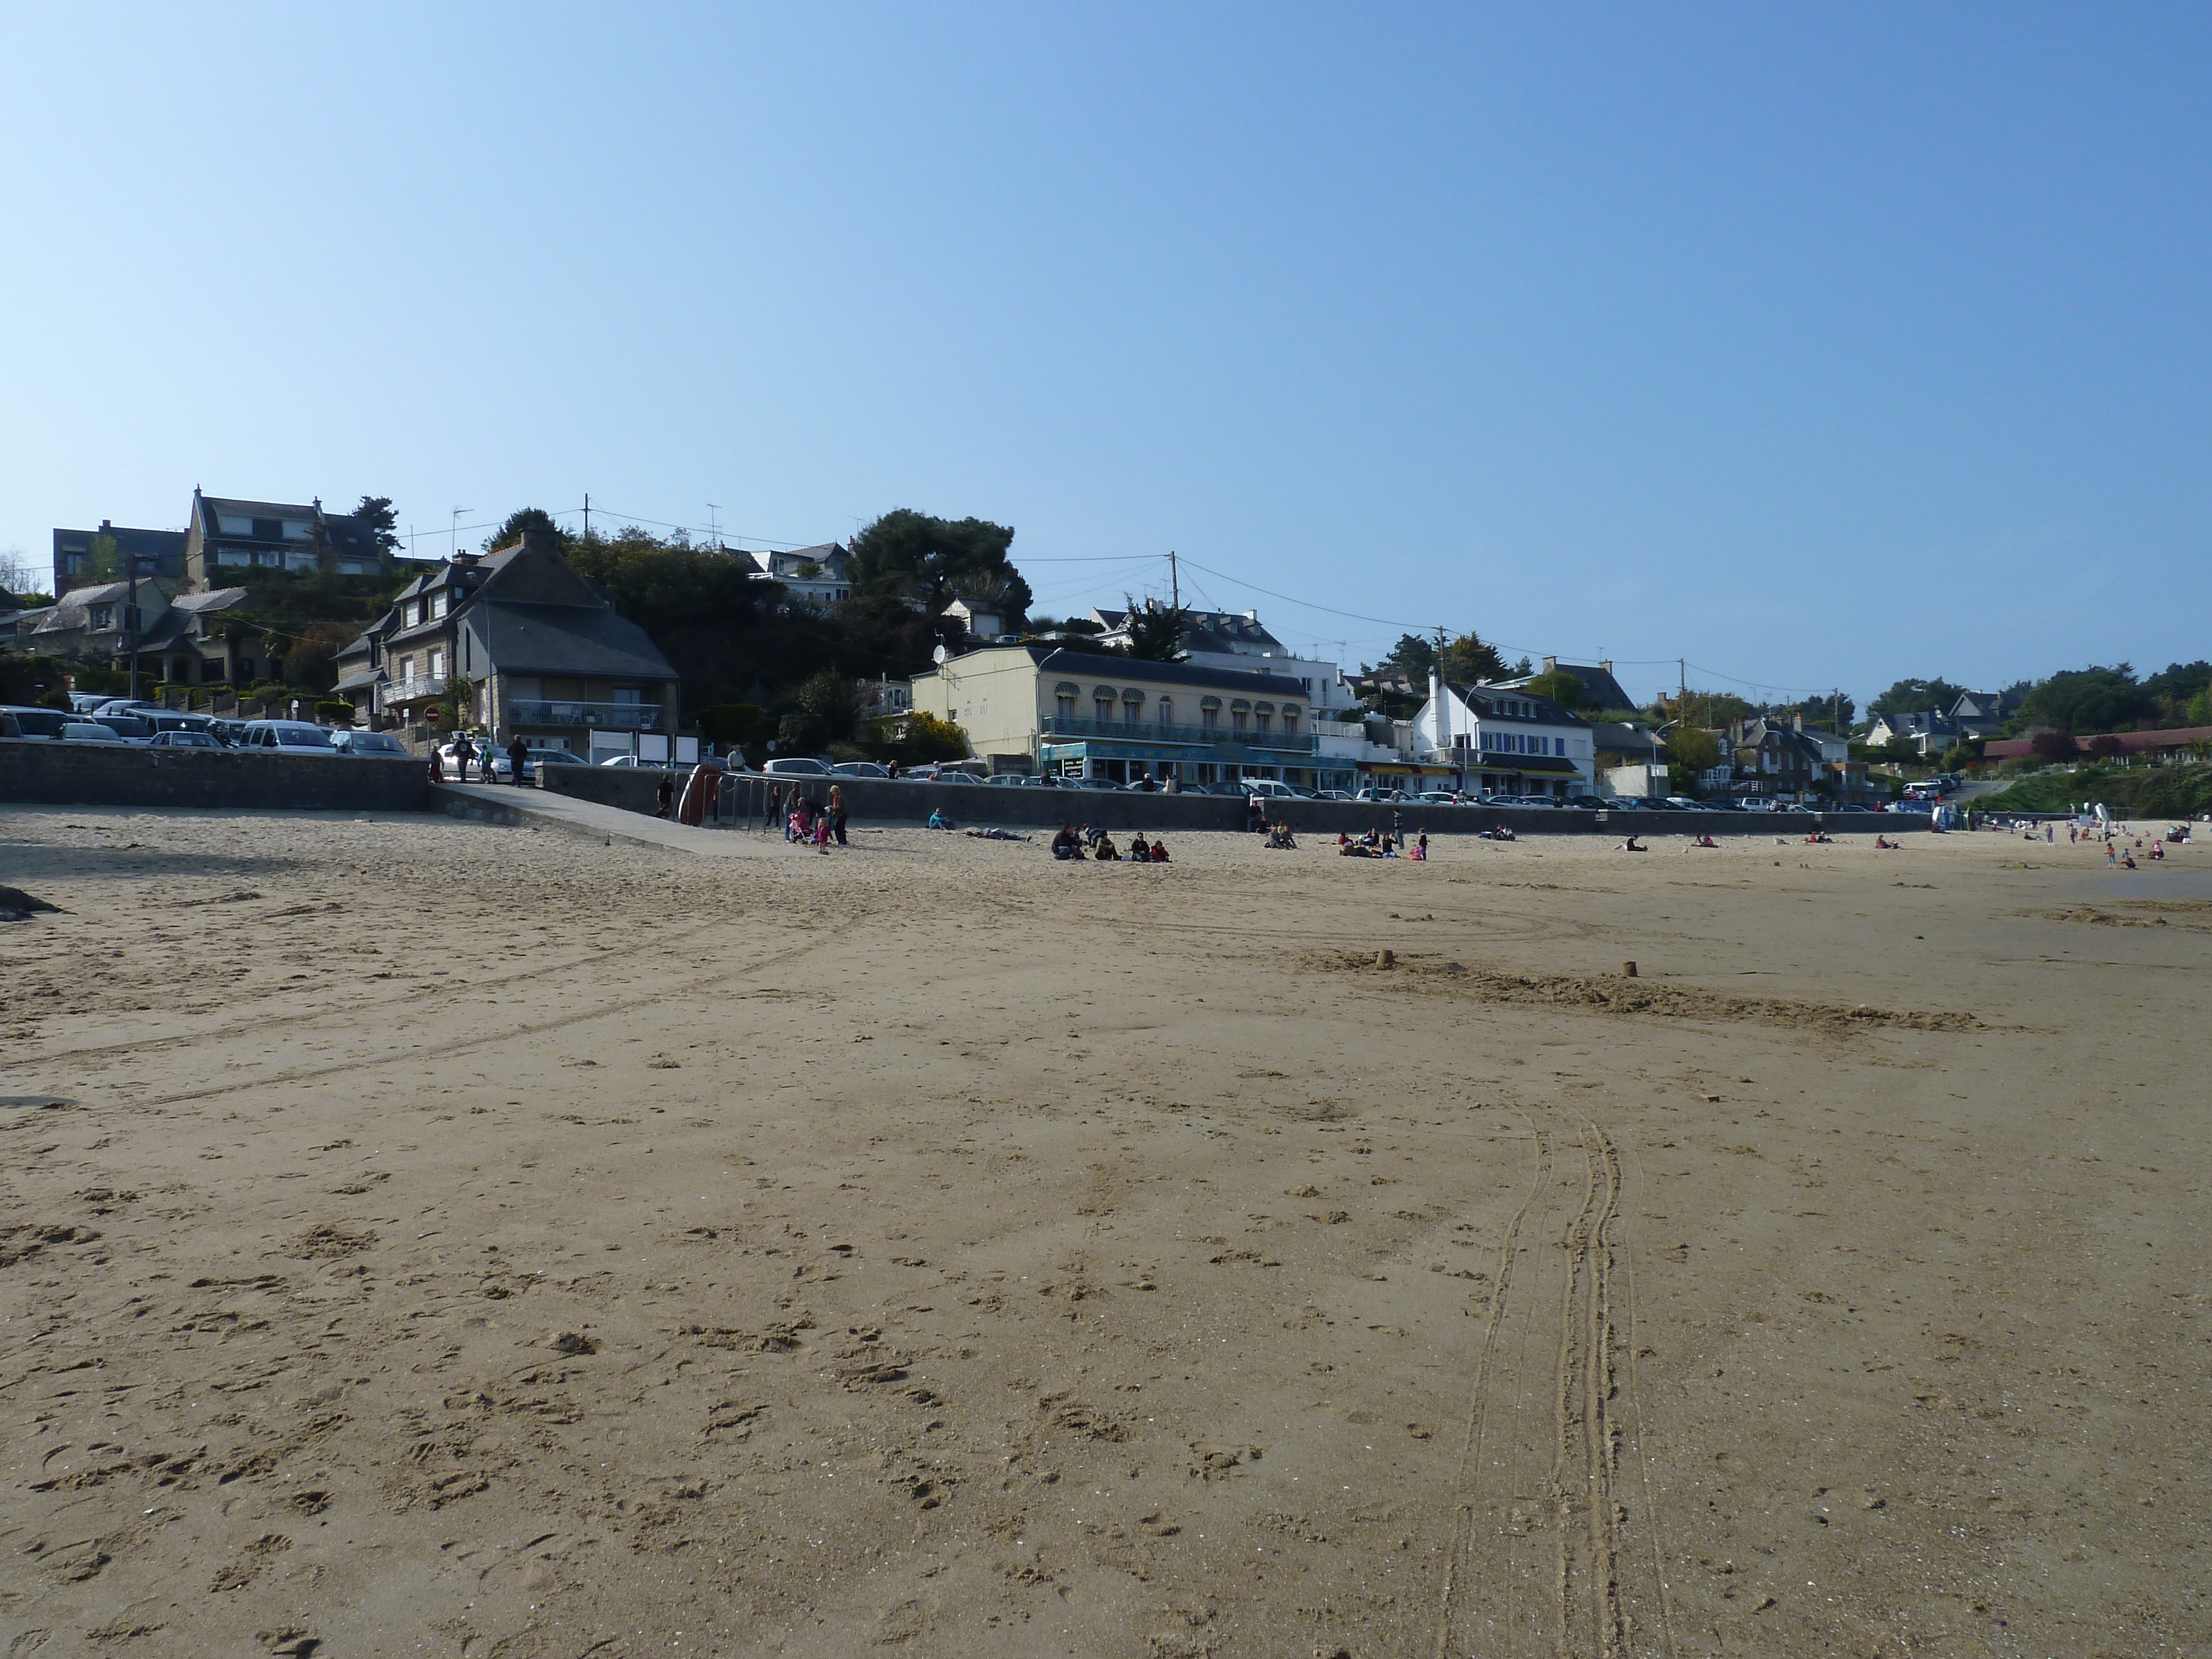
(1505, 740)
(534, 648)
(1076, 714)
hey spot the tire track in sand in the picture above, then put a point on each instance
(1572, 1458)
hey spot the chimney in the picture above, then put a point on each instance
(1797, 721)
(1607, 666)
(1551, 663)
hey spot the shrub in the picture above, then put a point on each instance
(335, 711)
(2106, 745)
(2054, 745)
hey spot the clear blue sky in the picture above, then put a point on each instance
(1818, 344)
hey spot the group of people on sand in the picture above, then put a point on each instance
(806, 821)
(1382, 844)
(1097, 846)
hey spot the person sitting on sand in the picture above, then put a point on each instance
(1504, 832)
(1343, 840)
(1107, 852)
(938, 820)
(2128, 860)
(1705, 841)
(1355, 849)
(1631, 845)
(1067, 844)
(1138, 852)
(1159, 851)
(1091, 834)
(1883, 843)
(2158, 850)
(1420, 848)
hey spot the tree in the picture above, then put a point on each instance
(522, 518)
(1468, 661)
(2178, 689)
(312, 660)
(2054, 745)
(103, 561)
(1707, 708)
(2093, 699)
(1156, 631)
(727, 723)
(1916, 697)
(2104, 746)
(382, 523)
(1562, 687)
(1413, 656)
(908, 553)
(929, 738)
(1693, 749)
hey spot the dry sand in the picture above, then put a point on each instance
(429, 1237)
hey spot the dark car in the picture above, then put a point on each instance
(38, 722)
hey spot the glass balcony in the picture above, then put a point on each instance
(1063, 727)
(613, 716)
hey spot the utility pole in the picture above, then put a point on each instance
(587, 515)
(1175, 581)
(135, 629)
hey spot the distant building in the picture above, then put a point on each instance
(1236, 640)
(819, 575)
(1599, 689)
(160, 553)
(1982, 714)
(227, 539)
(1078, 713)
(1928, 731)
(1502, 740)
(536, 649)
(984, 621)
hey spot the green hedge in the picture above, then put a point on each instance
(2131, 792)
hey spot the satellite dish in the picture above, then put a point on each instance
(939, 654)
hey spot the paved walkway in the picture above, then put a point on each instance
(548, 809)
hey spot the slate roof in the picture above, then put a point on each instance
(565, 639)
(1222, 632)
(1485, 699)
(1604, 690)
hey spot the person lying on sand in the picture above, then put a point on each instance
(1705, 840)
(996, 835)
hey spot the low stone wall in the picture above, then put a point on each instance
(873, 800)
(40, 770)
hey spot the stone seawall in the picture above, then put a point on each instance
(869, 801)
(42, 771)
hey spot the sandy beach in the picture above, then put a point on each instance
(429, 1237)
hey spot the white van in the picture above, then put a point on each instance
(291, 736)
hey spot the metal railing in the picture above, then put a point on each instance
(1213, 736)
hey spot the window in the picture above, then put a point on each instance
(1261, 722)
(1239, 719)
(1063, 705)
(1209, 716)
(1166, 715)
(1290, 721)
(295, 530)
(437, 606)
(232, 524)
(437, 664)
(1102, 705)
(102, 616)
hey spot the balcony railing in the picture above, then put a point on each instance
(409, 691)
(613, 716)
(1064, 726)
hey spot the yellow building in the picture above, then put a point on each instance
(1078, 715)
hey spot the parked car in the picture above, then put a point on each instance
(37, 722)
(170, 720)
(1437, 798)
(1015, 780)
(355, 742)
(1587, 802)
(1332, 794)
(292, 737)
(1267, 789)
(860, 769)
(633, 762)
(87, 731)
(784, 766)
(1686, 804)
(1379, 796)
(121, 705)
(83, 702)
(184, 740)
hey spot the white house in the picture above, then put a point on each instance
(1505, 740)
(819, 575)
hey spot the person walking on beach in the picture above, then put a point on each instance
(463, 752)
(837, 812)
(665, 797)
(518, 755)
